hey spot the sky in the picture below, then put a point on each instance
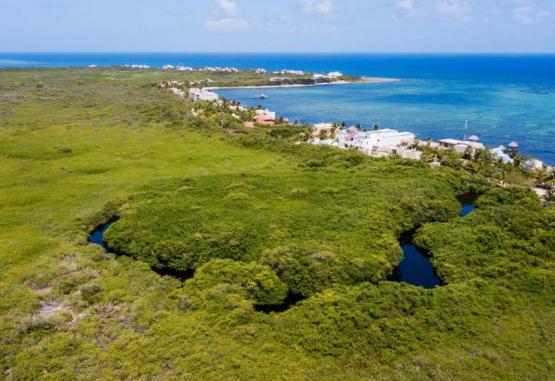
(434, 26)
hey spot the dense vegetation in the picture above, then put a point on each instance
(257, 218)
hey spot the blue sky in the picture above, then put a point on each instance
(278, 25)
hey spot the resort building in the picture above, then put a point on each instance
(460, 145)
(265, 117)
(196, 94)
(294, 72)
(185, 68)
(533, 165)
(335, 75)
(385, 138)
(137, 66)
(412, 154)
(499, 153)
(378, 143)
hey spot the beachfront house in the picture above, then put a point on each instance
(533, 165)
(335, 75)
(294, 72)
(385, 138)
(196, 94)
(499, 153)
(460, 145)
(348, 137)
(412, 154)
(379, 143)
(265, 117)
(184, 68)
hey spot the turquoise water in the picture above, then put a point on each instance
(467, 209)
(504, 97)
(497, 112)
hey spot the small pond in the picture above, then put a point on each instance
(467, 209)
(97, 235)
(416, 267)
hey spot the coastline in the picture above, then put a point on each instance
(369, 80)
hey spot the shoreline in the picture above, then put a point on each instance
(369, 80)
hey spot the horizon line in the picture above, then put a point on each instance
(286, 52)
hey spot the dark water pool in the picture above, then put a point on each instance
(415, 268)
(467, 209)
(97, 235)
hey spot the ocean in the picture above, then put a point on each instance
(503, 97)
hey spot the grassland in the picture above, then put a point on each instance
(257, 217)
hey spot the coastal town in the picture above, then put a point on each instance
(375, 141)
(388, 142)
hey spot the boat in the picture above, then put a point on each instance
(263, 96)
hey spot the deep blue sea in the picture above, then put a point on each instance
(504, 97)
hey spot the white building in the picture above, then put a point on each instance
(184, 68)
(460, 145)
(378, 143)
(137, 66)
(534, 165)
(386, 137)
(499, 153)
(196, 94)
(335, 75)
(294, 72)
(412, 154)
